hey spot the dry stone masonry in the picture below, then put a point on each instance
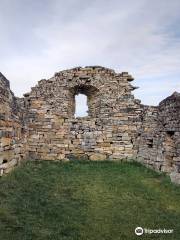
(42, 124)
(12, 137)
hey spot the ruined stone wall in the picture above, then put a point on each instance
(169, 124)
(42, 124)
(109, 131)
(12, 146)
(159, 138)
(146, 140)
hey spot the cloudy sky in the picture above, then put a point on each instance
(38, 38)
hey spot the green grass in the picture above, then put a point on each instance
(86, 201)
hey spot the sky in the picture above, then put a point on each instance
(39, 38)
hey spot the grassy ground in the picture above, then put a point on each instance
(86, 201)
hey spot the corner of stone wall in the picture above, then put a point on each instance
(159, 137)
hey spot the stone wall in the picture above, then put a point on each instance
(109, 131)
(146, 140)
(159, 138)
(12, 145)
(42, 125)
(169, 119)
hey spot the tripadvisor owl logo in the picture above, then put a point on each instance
(139, 231)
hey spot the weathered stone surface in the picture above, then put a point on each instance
(12, 142)
(9, 164)
(5, 141)
(159, 138)
(98, 157)
(42, 125)
(175, 177)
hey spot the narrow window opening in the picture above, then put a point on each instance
(150, 143)
(81, 107)
(170, 133)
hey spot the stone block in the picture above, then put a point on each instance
(98, 157)
(9, 164)
(5, 141)
(175, 177)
